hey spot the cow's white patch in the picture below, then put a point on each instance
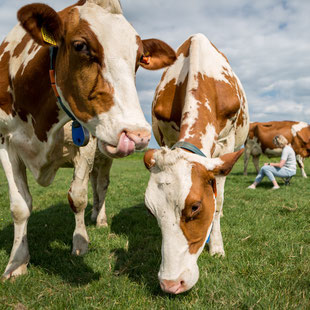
(206, 59)
(208, 139)
(14, 38)
(298, 127)
(178, 71)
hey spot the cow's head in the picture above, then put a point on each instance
(98, 55)
(181, 194)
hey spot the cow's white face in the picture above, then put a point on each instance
(98, 55)
(181, 195)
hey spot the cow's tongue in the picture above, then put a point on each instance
(124, 147)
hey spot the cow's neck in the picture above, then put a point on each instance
(34, 97)
(197, 127)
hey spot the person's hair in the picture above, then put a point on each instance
(280, 141)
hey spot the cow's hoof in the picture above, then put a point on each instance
(80, 245)
(12, 274)
(102, 223)
(216, 251)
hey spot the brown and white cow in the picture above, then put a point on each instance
(98, 55)
(201, 102)
(259, 141)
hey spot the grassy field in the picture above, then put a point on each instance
(266, 235)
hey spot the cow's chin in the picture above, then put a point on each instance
(124, 147)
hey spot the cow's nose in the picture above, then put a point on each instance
(173, 287)
(141, 138)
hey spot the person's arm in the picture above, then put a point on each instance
(280, 164)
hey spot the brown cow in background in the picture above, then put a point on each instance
(260, 137)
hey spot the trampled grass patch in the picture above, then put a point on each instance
(266, 235)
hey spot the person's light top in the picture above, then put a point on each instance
(288, 155)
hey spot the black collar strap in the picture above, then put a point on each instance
(80, 134)
(188, 146)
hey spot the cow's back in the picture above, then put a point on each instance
(199, 99)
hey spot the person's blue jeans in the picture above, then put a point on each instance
(272, 172)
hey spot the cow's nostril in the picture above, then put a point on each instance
(182, 282)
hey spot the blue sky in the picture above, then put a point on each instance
(267, 43)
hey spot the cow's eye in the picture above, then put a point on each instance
(196, 208)
(80, 46)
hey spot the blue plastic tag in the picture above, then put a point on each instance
(80, 135)
(208, 239)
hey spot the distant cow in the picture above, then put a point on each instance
(200, 111)
(259, 141)
(97, 55)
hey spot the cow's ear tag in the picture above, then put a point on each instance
(145, 58)
(80, 135)
(48, 37)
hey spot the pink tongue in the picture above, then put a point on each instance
(125, 145)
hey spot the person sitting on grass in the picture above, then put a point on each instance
(284, 169)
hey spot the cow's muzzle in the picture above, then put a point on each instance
(128, 142)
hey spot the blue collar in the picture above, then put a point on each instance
(188, 146)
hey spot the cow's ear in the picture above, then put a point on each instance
(226, 163)
(42, 23)
(156, 54)
(149, 160)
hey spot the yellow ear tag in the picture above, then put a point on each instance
(48, 37)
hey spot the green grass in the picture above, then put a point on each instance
(266, 236)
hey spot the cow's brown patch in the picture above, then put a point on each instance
(34, 95)
(198, 212)
(5, 95)
(21, 46)
(170, 102)
(184, 48)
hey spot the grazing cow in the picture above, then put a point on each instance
(259, 141)
(92, 72)
(200, 116)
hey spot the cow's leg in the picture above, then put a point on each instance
(216, 241)
(78, 198)
(300, 162)
(247, 155)
(100, 179)
(256, 163)
(21, 206)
